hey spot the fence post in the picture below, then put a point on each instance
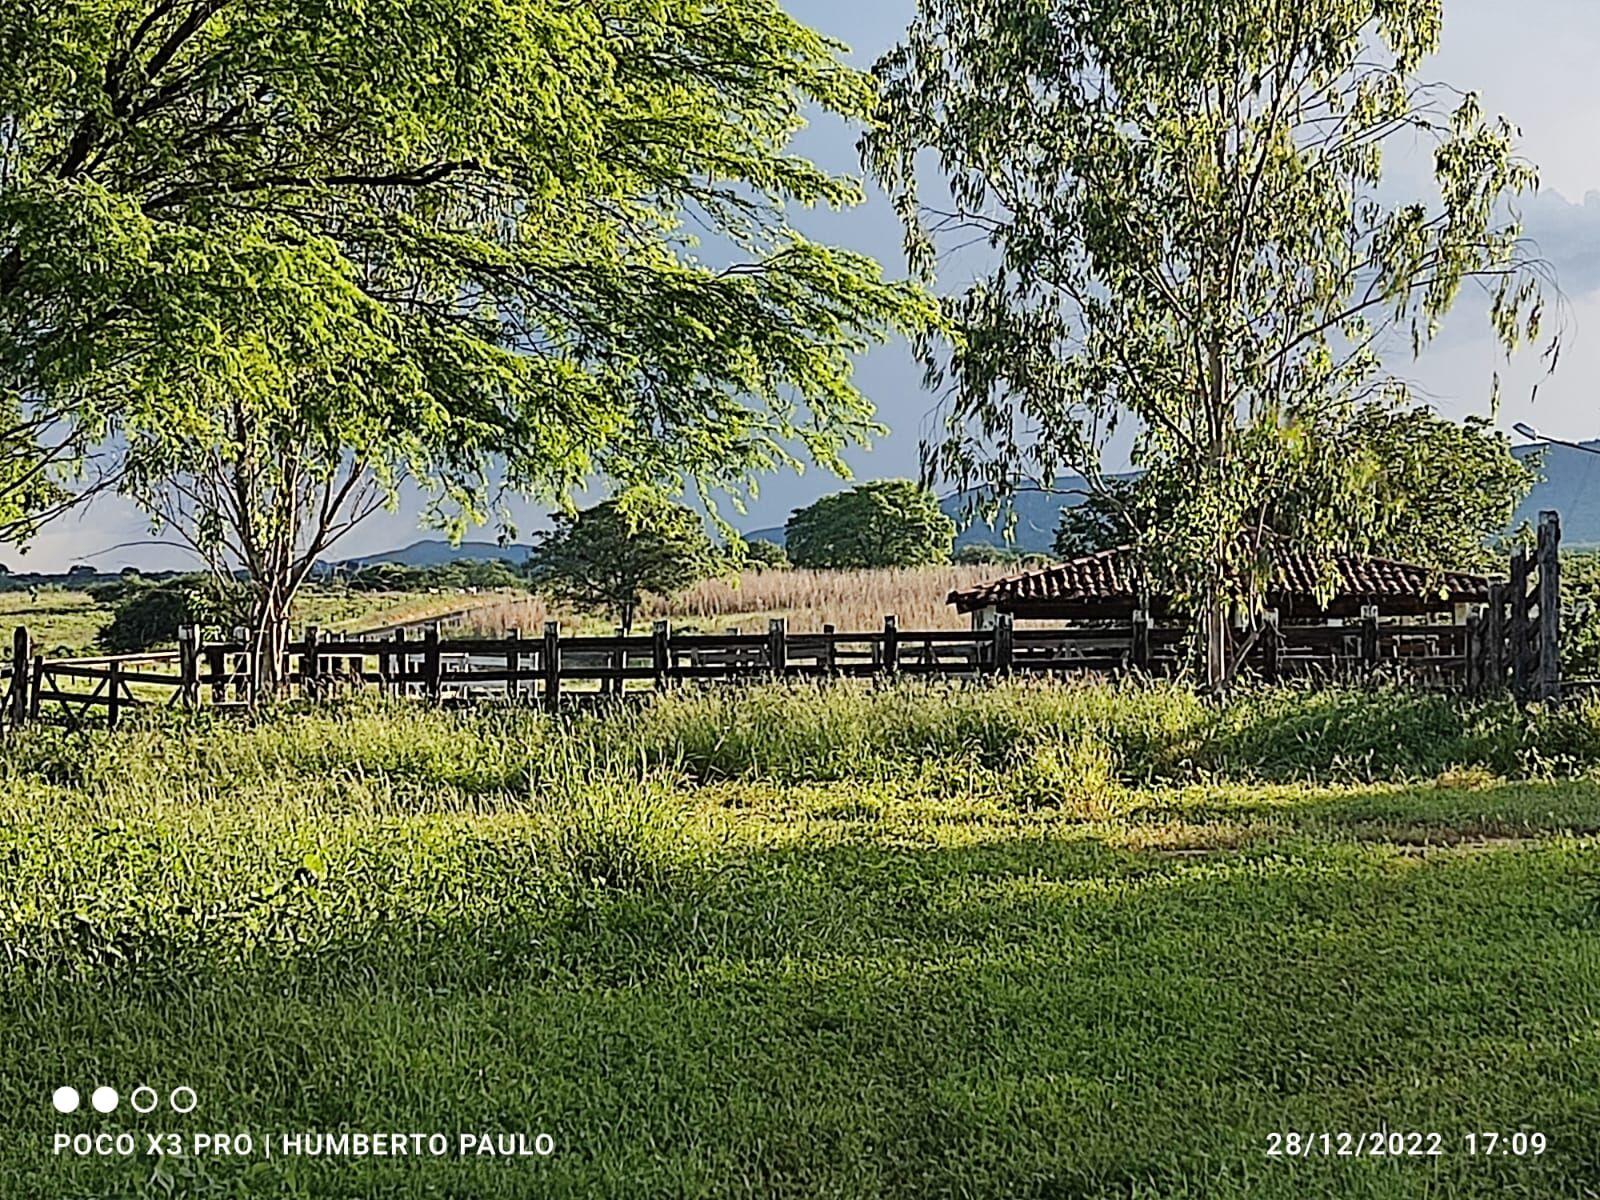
(113, 693)
(1492, 630)
(1548, 678)
(661, 652)
(550, 662)
(1519, 624)
(1139, 647)
(21, 658)
(189, 666)
(432, 677)
(830, 653)
(217, 665)
(1369, 638)
(891, 645)
(1477, 659)
(1271, 647)
(513, 660)
(1004, 629)
(397, 663)
(619, 662)
(35, 683)
(311, 665)
(777, 645)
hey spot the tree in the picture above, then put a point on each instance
(147, 615)
(1443, 493)
(887, 523)
(764, 555)
(296, 263)
(606, 558)
(1189, 234)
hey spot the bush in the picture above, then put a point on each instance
(148, 615)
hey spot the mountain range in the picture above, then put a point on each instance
(1569, 483)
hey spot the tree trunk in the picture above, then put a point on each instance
(1214, 622)
(269, 638)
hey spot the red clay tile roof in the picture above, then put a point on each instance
(1108, 575)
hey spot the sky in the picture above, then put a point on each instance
(1532, 61)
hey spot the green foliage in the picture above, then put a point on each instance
(1443, 493)
(293, 257)
(607, 557)
(983, 553)
(1187, 208)
(453, 576)
(765, 555)
(147, 615)
(886, 523)
(1580, 614)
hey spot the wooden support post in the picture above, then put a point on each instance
(1520, 680)
(777, 646)
(1369, 638)
(619, 661)
(550, 662)
(661, 653)
(35, 683)
(189, 666)
(397, 675)
(1271, 648)
(432, 668)
(1547, 685)
(1004, 629)
(513, 660)
(217, 665)
(113, 693)
(830, 652)
(21, 659)
(891, 645)
(1477, 655)
(1139, 648)
(311, 664)
(1492, 632)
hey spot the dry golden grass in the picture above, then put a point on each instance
(848, 600)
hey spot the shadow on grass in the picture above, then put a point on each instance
(1022, 1018)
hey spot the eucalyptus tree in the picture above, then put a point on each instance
(292, 262)
(1190, 232)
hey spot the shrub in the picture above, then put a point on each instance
(148, 615)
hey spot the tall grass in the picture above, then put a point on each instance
(848, 600)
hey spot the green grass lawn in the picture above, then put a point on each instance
(1019, 943)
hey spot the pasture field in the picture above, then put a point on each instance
(1025, 941)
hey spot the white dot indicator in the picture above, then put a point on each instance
(144, 1099)
(186, 1107)
(104, 1099)
(65, 1099)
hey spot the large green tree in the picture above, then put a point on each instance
(886, 523)
(1443, 493)
(609, 557)
(294, 256)
(1189, 235)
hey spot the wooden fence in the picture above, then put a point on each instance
(554, 668)
(1512, 644)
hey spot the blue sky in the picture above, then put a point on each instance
(1534, 61)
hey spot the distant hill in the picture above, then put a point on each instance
(1570, 485)
(436, 552)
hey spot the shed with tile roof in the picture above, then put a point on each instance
(1106, 586)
